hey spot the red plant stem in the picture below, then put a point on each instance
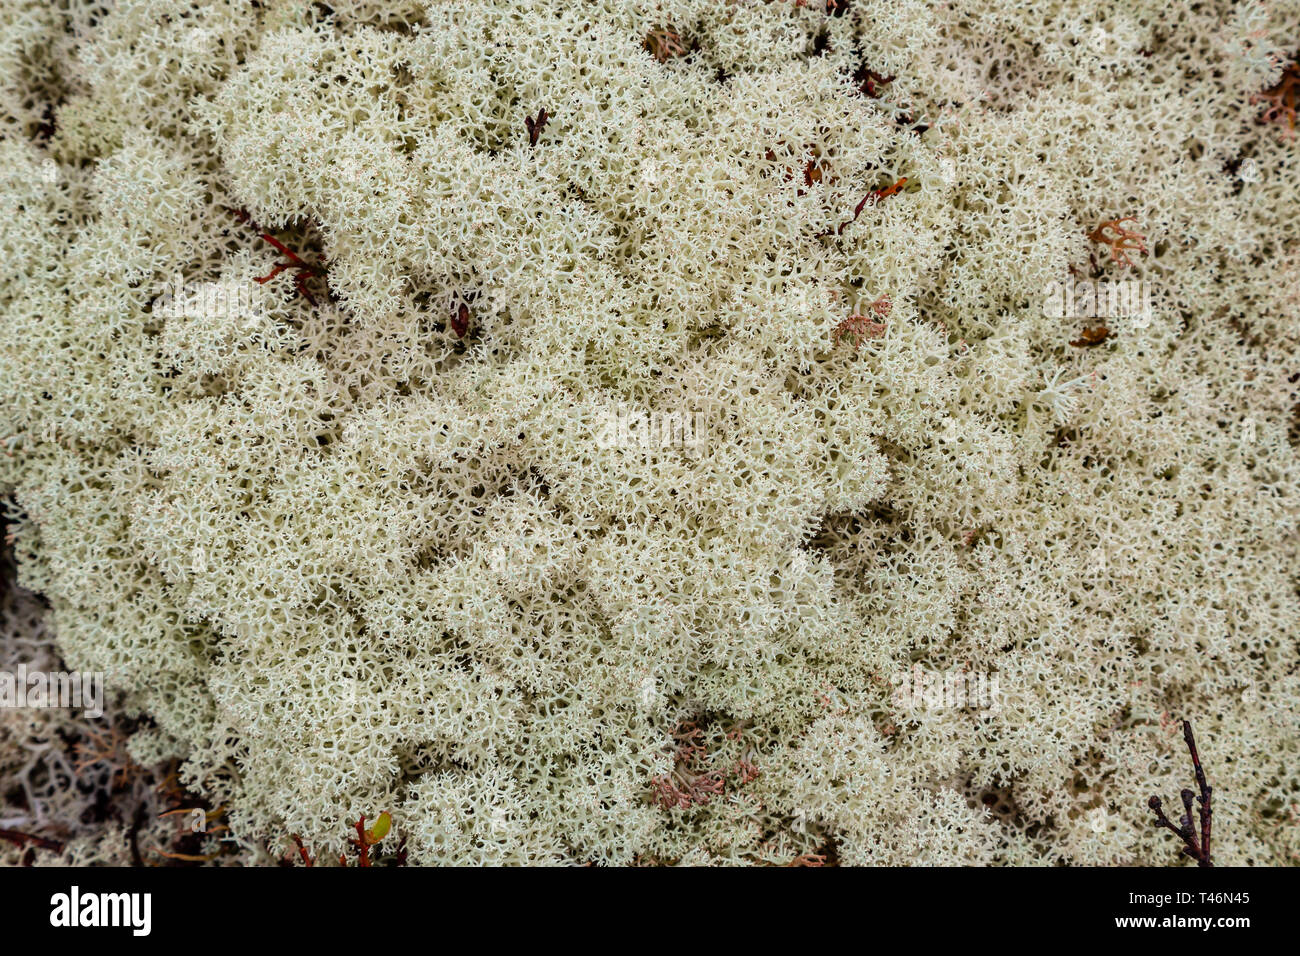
(363, 847)
(300, 267)
(889, 191)
(294, 263)
(302, 851)
(879, 195)
(287, 251)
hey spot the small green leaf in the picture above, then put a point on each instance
(383, 824)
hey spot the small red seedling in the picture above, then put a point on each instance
(366, 838)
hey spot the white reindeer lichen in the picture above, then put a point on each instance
(357, 545)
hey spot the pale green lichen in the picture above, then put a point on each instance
(346, 560)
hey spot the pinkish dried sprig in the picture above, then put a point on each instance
(1283, 99)
(861, 327)
(1122, 241)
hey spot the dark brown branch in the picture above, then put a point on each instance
(1205, 811)
(23, 839)
(1196, 849)
(133, 835)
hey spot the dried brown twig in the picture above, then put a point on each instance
(21, 839)
(1197, 849)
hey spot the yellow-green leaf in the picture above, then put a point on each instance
(383, 824)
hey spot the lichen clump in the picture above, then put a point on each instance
(356, 544)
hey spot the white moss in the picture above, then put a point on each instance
(349, 561)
